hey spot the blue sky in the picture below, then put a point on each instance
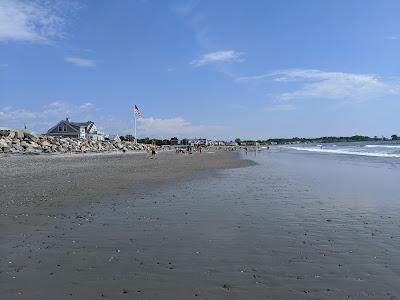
(218, 69)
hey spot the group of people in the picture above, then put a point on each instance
(152, 149)
(190, 149)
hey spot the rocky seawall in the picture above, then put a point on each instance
(23, 142)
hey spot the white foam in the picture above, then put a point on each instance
(319, 150)
(383, 146)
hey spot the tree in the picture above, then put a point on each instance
(129, 137)
(238, 141)
(394, 137)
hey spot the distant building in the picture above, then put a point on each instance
(184, 142)
(219, 143)
(113, 137)
(174, 141)
(66, 128)
(231, 143)
(201, 142)
(250, 143)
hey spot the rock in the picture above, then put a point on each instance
(31, 136)
(19, 134)
(45, 143)
(34, 145)
(20, 141)
(3, 143)
(18, 147)
(12, 134)
(6, 149)
(24, 144)
(5, 132)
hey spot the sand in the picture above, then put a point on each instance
(292, 226)
(46, 184)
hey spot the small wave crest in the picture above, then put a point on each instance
(383, 146)
(335, 151)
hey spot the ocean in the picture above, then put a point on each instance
(374, 149)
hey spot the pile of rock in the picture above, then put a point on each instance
(19, 141)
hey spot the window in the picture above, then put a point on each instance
(59, 128)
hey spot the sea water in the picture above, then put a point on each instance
(374, 148)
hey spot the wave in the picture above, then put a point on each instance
(383, 146)
(334, 151)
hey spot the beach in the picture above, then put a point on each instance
(276, 224)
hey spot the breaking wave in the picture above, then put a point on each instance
(347, 152)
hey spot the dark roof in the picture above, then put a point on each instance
(85, 124)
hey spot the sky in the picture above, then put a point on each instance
(216, 69)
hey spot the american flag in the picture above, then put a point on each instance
(138, 114)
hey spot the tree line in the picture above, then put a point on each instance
(324, 139)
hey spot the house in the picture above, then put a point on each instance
(250, 143)
(219, 143)
(174, 141)
(184, 142)
(85, 130)
(201, 142)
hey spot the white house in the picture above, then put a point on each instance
(86, 130)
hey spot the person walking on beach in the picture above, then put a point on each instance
(152, 150)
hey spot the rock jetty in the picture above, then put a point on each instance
(23, 142)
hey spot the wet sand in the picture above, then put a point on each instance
(292, 226)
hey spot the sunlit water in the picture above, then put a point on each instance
(375, 149)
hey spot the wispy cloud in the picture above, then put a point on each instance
(29, 21)
(81, 62)
(175, 127)
(42, 119)
(218, 56)
(322, 85)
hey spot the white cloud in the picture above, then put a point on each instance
(44, 118)
(41, 120)
(321, 85)
(29, 21)
(175, 127)
(82, 62)
(280, 107)
(218, 56)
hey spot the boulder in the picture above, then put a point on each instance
(11, 134)
(19, 134)
(5, 132)
(31, 136)
(45, 143)
(24, 144)
(3, 143)
(6, 149)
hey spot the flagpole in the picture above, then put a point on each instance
(135, 129)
